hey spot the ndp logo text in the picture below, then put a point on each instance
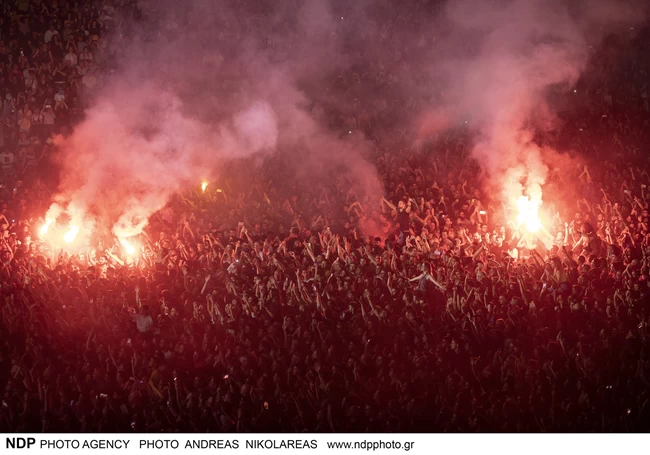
(20, 443)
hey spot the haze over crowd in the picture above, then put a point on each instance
(331, 251)
(202, 83)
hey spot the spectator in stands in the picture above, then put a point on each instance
(268, 305)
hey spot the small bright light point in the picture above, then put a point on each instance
(219, 190)
(204, 185)
(46, 226)
(128, 247)
(575, 91)
(528, 214)
(71, 234)
(349, 132)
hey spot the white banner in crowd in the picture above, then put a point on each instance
(483, 444)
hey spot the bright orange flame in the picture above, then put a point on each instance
(71, 234)
(46, 226)
(204, 185)
(128, 247)
(528, 214)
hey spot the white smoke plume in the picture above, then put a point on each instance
(195, 86)
(201, 82)
(500, 60)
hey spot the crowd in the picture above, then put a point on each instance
(51, 57)
(252, 308)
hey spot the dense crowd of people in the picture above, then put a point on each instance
(254, 309)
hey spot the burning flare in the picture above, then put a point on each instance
(46, 226)
(204, 185)
(71, 234)
(127, 246)
(528, 214)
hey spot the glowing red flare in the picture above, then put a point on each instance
(46, 226)
(71, 234)
(128, 247)
(528, 214)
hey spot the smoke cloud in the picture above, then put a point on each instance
(499, 63)
(131, 154)
(196, 86)
(200, 83)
